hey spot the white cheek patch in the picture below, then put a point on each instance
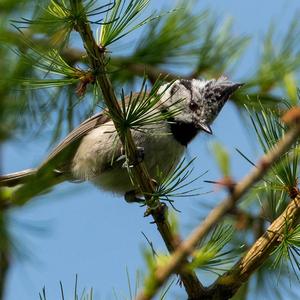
(182, 95)
(180, 98)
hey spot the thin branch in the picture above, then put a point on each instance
(97, 59)
(140, 69)
(231, 281)
(186, 248)
(73, 55)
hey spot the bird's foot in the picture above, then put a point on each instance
(139, 157)
(159, 212)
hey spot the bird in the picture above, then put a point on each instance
(93, 151)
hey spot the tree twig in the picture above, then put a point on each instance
(231, 281)
(96, 56)
(186, 248)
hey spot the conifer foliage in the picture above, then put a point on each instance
(63, 62)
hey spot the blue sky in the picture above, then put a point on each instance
(82, 230)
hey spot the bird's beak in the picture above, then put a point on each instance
(223, 90)
(205, 128)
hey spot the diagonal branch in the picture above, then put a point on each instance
(96, 56)
(227, 285)
(187, 247)
(121, 63)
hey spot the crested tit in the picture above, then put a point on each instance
(91, 150)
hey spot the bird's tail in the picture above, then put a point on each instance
(17, 178)
(24, 185)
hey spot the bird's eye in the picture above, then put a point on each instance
(193, 105)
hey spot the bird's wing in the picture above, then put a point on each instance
(16, 178)
(60, 159)
(61, 156)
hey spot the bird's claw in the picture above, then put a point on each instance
(139, 157)
(159, 211)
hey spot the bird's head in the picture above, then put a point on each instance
(199, 101)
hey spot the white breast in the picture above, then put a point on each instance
(96, 151)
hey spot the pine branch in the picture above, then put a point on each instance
(140, 69)
(133, 66)
(186, 248)
(97, 59)
(228, 284)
